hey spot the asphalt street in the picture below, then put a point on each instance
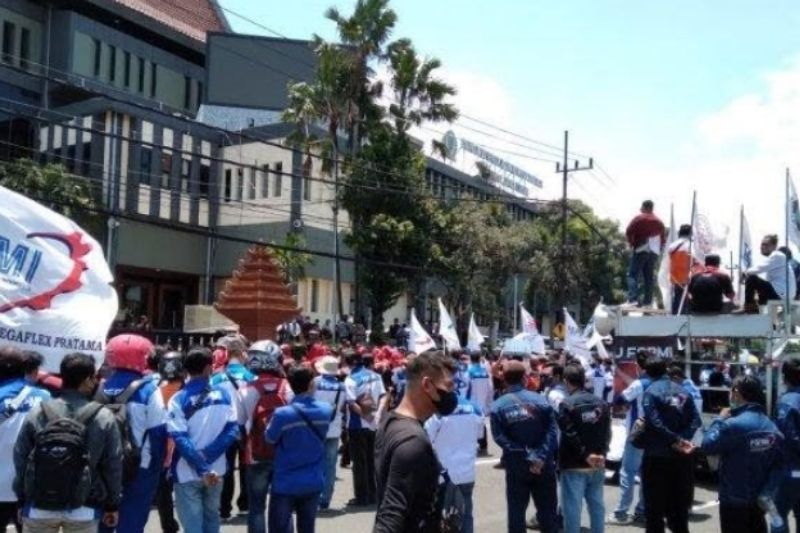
(489, 501)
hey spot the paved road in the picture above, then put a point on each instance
(489, 507)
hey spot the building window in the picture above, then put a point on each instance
(166, 170)
(199, 93)
(306, 187)
(265, 181)
(141, 74)
(187, 92)
(186, 173)
(24, 48)
(205, 178)
(153, 79)
(278, 179)
(112, 64)
(71, 158)
(253, 183)
(98, 52)
(9, 38)
(145, 164)
(227, 186)
(127, 65)
(314, 296)
(86, 157)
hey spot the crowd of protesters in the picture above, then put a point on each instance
(92, 449)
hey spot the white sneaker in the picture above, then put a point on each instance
(614, 520)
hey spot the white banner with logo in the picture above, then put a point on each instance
(56, 296)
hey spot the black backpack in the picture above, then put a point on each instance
(57, 476)
(450, 506)
(131, 454)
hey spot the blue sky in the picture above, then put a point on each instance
(667, 96)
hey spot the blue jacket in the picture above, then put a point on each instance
(525, 427)
(670, 414)
(749, 445)
(788, 421)
(299, 466)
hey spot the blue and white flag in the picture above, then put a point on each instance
(746, 246)
(474, 336)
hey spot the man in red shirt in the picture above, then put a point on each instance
(646, 235)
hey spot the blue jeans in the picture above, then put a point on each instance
(575, 486)
(134, 509)
(642, 264)
(521, 485)
(787, 500)
(331, 456)
(281, 507)
(631, 463)
(259, 478)
(468, 526)
(198, 506)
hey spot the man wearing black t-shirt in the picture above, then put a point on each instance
(406, 467)
(707, 288)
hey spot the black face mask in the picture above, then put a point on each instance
(447, 403)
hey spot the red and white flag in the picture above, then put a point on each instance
(528, 322)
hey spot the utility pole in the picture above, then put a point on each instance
(565, 170)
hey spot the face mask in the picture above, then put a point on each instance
(448, 400)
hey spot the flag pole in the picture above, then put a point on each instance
(741, 244)
(691, 252)
(789, 207)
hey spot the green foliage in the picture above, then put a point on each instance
(292, 263)
(71, 195)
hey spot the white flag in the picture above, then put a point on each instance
(419, 341)
(792, 215)
(447, 330)
(528, 322)
(474, 336)
(746, 248)
(56, 296)
(664, 281)
(575, 341)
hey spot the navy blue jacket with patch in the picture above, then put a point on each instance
(525, 427)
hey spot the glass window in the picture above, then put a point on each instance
(314, 296)
(71, 158)
(166, 169)
(127, 67)
(278, 179)
(98, 53)
(141, 74)
(187, 92)
(153, 79)
(240, 184)
(265, 181)
(251, 187)
(205, 178)
(199, 93)
(145, 164)
(306, 186)
(87, 157)
(112, 64)
(24, 48)
(9, 38)
(186, 173)
(228, 185)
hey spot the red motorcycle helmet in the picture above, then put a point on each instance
(128, 352)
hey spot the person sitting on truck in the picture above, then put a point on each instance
(777, 283)
(707, 288)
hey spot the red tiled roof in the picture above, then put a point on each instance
(190, 17)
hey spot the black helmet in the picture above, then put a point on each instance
(171, 366)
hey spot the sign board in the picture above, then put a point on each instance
(56, 296)
(254, 71)
(626, 348)
(507, 175)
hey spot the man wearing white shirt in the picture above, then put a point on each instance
(778, 278)
(453, 438)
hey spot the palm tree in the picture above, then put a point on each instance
(365, 34)
(323, 102)
(418, 95)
